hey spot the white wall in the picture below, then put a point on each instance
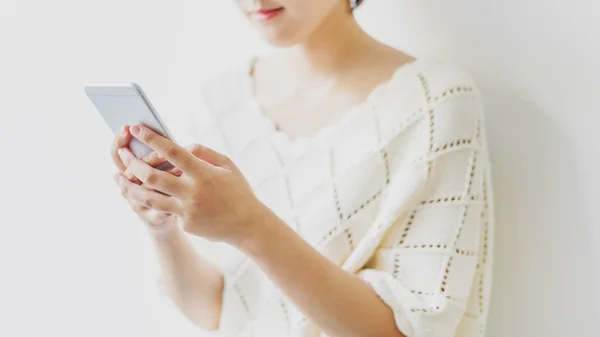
(74, 260)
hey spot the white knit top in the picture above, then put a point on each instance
(397, 192)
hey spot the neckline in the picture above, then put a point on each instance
(326, 130)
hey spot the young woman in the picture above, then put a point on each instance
(346, 183)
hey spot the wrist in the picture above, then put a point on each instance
(168, 232)
(264, 227)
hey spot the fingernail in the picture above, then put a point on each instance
(134, 130)
(124, 131)
(121, 153)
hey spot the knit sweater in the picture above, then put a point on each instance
(397, 192)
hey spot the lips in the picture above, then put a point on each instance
(267, 14)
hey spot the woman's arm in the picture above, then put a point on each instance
(338, 302)
(194, 284)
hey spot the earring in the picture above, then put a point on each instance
(355, 3)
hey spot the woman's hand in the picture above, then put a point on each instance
(211, 197)
(142, 201)
(157, 221)
(121, 140)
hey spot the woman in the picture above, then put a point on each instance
(348, 182)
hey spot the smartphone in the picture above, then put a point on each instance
(126, 103)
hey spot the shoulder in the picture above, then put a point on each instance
(435, 77)
(452, 99)
(453, 103)
(433, 106)
(429, 85)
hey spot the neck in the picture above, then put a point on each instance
(332, 46)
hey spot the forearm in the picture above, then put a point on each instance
(193, 283)
(338, 302)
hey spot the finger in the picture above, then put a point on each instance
(131, 177)
(147, 198)
(137, 207)
(152, 189)
(157, 179)
(151, 217)
(153, 159)
(209, 155)
(171, 151)
(120, 140)
(174, 171)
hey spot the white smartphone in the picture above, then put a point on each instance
(125, 103)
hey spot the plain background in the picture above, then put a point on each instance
(74, 260)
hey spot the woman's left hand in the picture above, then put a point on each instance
(211, 198)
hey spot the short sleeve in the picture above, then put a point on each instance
(241, 278)
(238, 277)
(424, 266)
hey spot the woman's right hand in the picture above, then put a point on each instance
(157, 221)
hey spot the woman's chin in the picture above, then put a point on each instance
(279, 38)
(281, 43)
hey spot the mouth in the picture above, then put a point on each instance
(266, 14)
